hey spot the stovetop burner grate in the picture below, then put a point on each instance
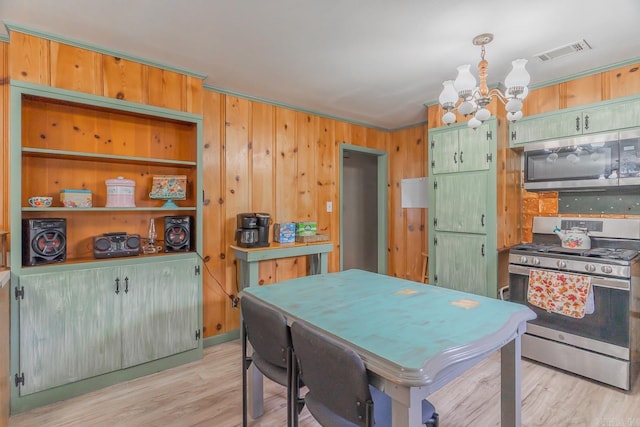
(603, 253)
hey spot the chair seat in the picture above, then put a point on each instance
(381, 411)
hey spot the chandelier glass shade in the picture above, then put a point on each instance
(469, 99)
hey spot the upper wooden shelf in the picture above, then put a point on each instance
(71, 155)
(103, 209)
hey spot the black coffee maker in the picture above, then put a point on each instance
(252, 230)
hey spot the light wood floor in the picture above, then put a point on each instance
(208, 393)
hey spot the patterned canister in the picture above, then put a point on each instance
(120, 193)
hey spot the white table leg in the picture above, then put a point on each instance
(510, 392)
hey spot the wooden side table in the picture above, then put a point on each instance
(250, 257)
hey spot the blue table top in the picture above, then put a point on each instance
(412, 329)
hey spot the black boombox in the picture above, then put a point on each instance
(114, 245)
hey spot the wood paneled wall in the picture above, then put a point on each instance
(47, 62)
(265, 158)
(407, 227)
(257, 157)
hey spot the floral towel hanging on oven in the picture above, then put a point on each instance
(560, 293)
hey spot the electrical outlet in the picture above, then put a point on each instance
(329, 206)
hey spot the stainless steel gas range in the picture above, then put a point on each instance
(603, 345)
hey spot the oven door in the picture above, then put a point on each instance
(609, 322)
(573, 163)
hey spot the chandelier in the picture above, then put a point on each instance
(473, 100)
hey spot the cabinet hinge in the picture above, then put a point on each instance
(433, 164)
(489, 135)
(197, 270)
(19, 379)
(435, 277)
(432, 144)
(489, 157)
(514, 135)
(435, 241)
(197, 334)
(435, 222)
(435, 185)
(19, 292)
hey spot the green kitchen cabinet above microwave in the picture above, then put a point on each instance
(621, 113)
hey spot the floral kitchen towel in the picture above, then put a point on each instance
(566, 294)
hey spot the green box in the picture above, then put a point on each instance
(308, 228)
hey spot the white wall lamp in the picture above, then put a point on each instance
(473, 100)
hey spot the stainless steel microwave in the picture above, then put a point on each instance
(588, 162)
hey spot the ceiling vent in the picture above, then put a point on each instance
(571, 48)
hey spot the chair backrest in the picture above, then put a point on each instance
(267, 331)
(335, 376)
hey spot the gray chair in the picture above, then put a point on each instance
(268, 333)
(339, 393)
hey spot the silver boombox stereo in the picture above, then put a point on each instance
(114, 245)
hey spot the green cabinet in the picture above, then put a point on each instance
(461, 149)
(593, 118)
(461, 202)
(159, 311)
(69, 328)
(463, 213)
(79, 324)
(461, 262)
(81, 321)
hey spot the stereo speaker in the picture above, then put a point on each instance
(114, 245)
(178, 233)
(44, 241)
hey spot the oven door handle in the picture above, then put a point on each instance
(603, 282)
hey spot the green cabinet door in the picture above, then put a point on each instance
(462, 149)
(595, 118)
(444, 151)
(619, 115)
(475, 147)
(69, 327)
(461, 202)
(556, 125)
(460, 262)
(159, 310)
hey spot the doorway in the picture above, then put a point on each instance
(363, 209)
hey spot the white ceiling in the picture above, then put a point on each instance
(374, 62)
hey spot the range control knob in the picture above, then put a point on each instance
(523, 259)
(561, 264)
(590, 267)
(606, 269)
(536, 261)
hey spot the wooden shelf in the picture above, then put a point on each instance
(99, 209)
(78, 155)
